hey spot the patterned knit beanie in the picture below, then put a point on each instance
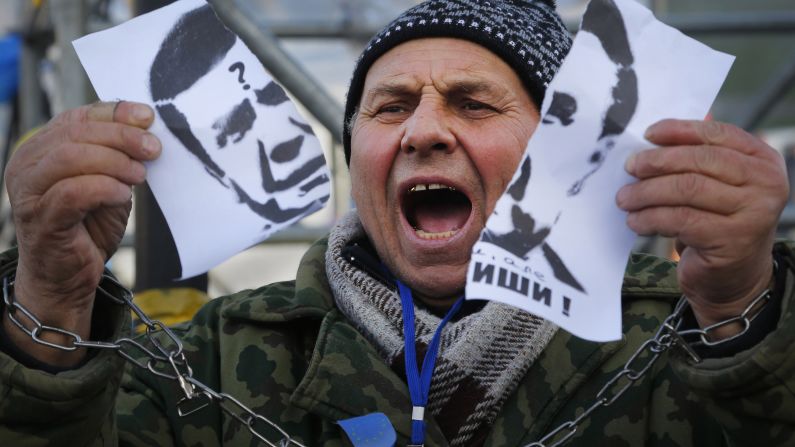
(527, 34)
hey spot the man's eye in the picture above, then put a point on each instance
(476, 106)
(392, 109)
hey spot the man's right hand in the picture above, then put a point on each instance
(70, 187)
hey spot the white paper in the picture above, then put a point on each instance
(225, 193)
(557, 244)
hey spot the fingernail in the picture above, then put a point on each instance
(629, 165)
(142, 113)
(150, 143)
(620, 196)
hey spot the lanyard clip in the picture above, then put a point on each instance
(418, 413)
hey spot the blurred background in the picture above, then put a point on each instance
(310, 47)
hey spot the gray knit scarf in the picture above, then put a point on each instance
(482, 356)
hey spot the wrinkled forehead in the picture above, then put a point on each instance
(448, 63)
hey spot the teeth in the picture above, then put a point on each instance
(433, 236)
(430, 186)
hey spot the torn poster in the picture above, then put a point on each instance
(557, 244)
(239, 162)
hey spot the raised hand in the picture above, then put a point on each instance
(70, 187)
(719, 191)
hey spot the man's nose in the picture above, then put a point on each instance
(428, 129)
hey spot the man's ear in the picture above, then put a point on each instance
(352, 121)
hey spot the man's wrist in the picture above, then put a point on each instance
(751, 325)
(720, 317)
(36, 335)
(762, 324)
(12, 341)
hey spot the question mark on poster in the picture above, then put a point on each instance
(238, 66)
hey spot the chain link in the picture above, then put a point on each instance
(642, 360)
(166, 360)
(170, 362)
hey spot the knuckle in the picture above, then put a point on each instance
(649, 162)
(67, 192)
(79, 114)
(633, 221)
(638, 221)
(137, 170)
(25, 212)
(68, 156)
(684, 216)
(100, 111)
(15, 164)
(75, 131)
(689, 185)
(123, 135)
(128, 137)
(705, 159)
(781, 188)
(713, 132)
(744, 172)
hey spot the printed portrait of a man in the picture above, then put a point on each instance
(268, 172)
(528, 232)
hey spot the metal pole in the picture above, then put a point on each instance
(731, 23)
(776, 89)
(31, 104)
(284, 68)
(156, 258)
(69, 20)
(31, 99)
(310, 29)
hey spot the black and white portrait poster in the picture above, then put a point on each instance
(557, 244)
(239, 162)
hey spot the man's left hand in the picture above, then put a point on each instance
(719, 191)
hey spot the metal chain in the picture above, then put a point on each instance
(635, 369)
(166, 360)
(171, 363)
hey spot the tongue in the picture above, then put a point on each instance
(440, 217)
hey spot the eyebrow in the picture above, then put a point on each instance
(473, 87)
(388, 89)
(398, 89)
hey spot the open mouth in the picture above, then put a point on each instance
(435, 210)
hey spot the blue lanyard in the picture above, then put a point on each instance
(419, 383)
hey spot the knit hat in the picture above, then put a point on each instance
(527, 34)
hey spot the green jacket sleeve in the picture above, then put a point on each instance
(74, 407)
(751, 394)
(79, 407)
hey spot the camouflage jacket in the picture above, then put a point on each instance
(287, 352)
